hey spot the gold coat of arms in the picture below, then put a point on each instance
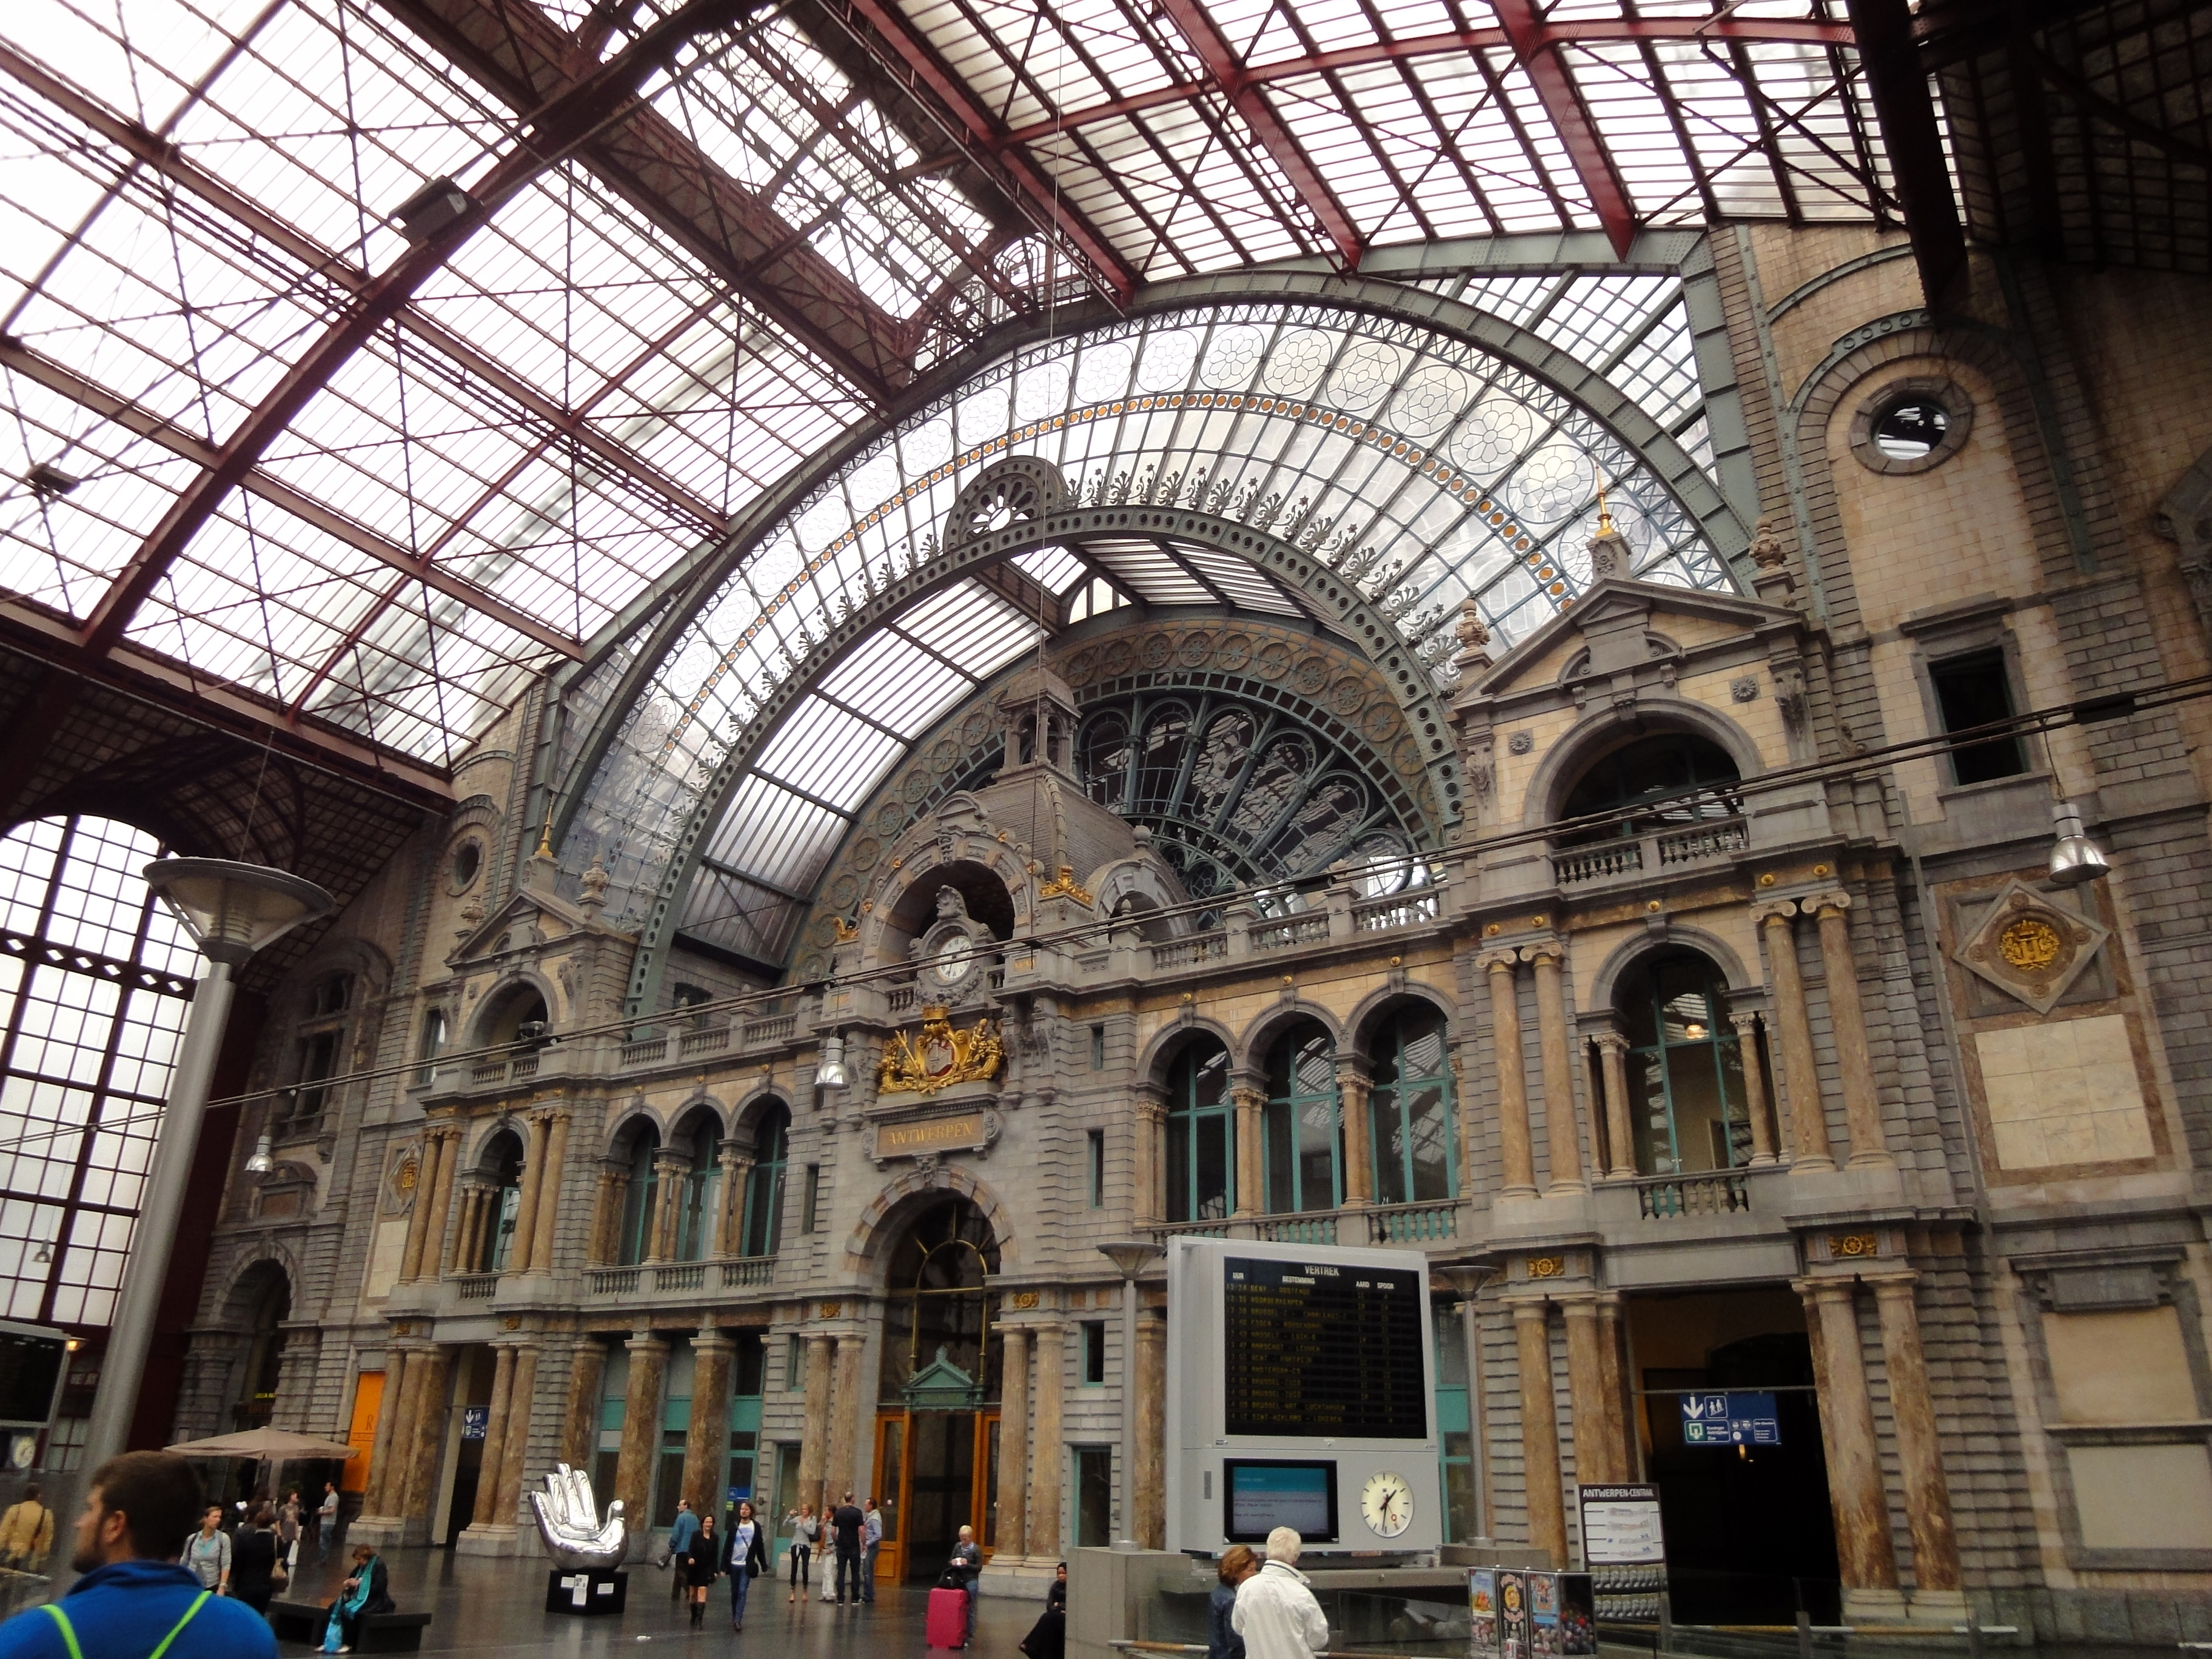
(938, 1056)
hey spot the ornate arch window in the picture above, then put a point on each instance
(638, 1203)
(939, 1304)
(1412, 1112)
(1669, 781)
(1202, 1135)
(431, 1044)
(695, 1215)
(322, 1039)
(764, 1187)
(1302, 1123)
(504, 1166)
(1689, 1109)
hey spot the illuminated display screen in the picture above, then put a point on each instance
(1312, 1352)
(1258, 1497)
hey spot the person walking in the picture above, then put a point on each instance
(745, 1560)
(206, 1552)
(680, 1535)
(872, 1540)
(255, 1560)
(1276, 1611)
(326, 1522)
(1237, 1564)
(966, 1567)
(27, 1532)
(804, 1530)
(699, 1564)
(847, 1524)
(288, 1530)
(134, 1599)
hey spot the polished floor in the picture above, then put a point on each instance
(492, 1607)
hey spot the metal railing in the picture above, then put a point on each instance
(1665, 1196)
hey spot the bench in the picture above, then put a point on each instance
(380, 1633)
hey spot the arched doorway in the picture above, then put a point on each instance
(937, 1420)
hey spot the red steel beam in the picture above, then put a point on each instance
(1538, 53)
(561, 125)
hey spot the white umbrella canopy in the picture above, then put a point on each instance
(270, 1445)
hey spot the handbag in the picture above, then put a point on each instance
(664, 1555)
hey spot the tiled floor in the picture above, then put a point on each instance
(496, 1607)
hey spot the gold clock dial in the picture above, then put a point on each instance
(1386, 1503)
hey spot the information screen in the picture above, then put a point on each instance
(1312, 1351)
(1260, 1496)
(29, 1368)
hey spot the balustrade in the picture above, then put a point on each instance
(1663, 1197)
(476, 1287)
(1668, 849)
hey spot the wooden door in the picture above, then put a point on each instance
(984, 1504)
(894, 1483)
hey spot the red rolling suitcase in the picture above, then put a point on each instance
(948, 1618)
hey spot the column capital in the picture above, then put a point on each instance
(1529, 1309)
(1553, 950)
(1899, 1283)
(668, 1161)
(1351, 1071)
(1611, 1042)
(1243, 1097)
(1149, 1093)
(1745, 1020)
(1818, 905)
(713, 1339)
(643, 1340)
(1151, 1108)
(1504, 957)
(1769, 910)
(1827, 1288)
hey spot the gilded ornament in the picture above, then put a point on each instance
(406, 1176)
(1023, 1299)
(938, 1056)
(847, 933)
(1851, 1246)
(831, 1310)
(1064, 885)
(2030, 945)
(1546, 1266)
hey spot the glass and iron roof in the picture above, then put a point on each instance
(692, 283)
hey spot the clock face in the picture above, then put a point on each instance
(1386, 1502)
(954, 955)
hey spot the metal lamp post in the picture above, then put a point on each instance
(231, 910)
(1132, 1256)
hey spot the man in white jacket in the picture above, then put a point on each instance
(1276, 1614)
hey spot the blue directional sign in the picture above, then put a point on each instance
(1740, 1417)
(476, 1422)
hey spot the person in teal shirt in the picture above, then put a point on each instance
(134, 1601)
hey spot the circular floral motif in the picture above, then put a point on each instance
(942, 757)
(812, 966)
(1406, 755)
(1551, 483)
(1191, 649)
(1312, 675)
(1116, 659)
(891, 818)
(1380, 720)
(1346, 695)
(1274, 661)
(1296, 363)
(1082, 668)
(1495, 431)
(1235, 652)
(1165, 366)
(1232, 358)
(1430, 397)
(916, 786)
(1366, 371)
(975, 728)
(1156, 650)
(842, 892)
(1104, 372)
(866, 851)
(2031, 944)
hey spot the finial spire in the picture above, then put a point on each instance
(1604, 512)
(545, 835)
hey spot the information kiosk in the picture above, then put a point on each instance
(1301, 1392)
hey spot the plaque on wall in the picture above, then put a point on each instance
(2030, 948)
(928, 1138)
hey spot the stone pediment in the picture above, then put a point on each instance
(528, 919)
(1621, 625)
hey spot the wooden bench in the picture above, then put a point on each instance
(380, 1633)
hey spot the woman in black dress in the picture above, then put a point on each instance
(252, 1560)
(702, 1562)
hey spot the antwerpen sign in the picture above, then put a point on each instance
(928, 1138)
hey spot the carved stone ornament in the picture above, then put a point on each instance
(938, 1056)
(1744, 688)
(2030, 948)
(1520, 743)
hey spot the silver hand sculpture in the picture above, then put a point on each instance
(568, 1521)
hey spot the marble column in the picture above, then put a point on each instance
(1251, 1169)
(1149, 1162)
(401, 1466)
(441, 1204)
(1847, 1023)
(610, 1240)
(730, 1210)
(1754, 1089)
(427, 1441)
(707, 1444)
(549, 1193)
(1619, 1128)
(1013, 1442)
(1919, 1451)
(842, 1473)
(814, 1435)
(1539, 1432)
(1563, 1136)
(1801, 1079)
(1352, 1090)
(457, 1246)
(1046, 1454)
(641, 1430)
(533, 1195)
(418, 1225)
(587, 1380)
(595, 1251)
(489, 1462)
(1470, 1322)
(1620, 1402)
(373, 1498)
(669, 1169)
(1864, 1554)
(1513, 1136)
(1152, 1427)
(1596, 1452)
(514, 1449)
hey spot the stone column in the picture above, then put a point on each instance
(640, 1431)
(489, 1465)
(469, 1259)
(602, 1202)
(374, 1499)
(1152, 1427)
(1353, 1088)
(1539, 1432)
(457, 1247)
(1046, 1453)
(1013, 1442)
(1619, 1401)
(533, 1185)
(1470, 1321)
(1148, 1201)
(1249, 1163)
(1801, 1080)
(1513, 1136)
(426, 1440)
(707, 1446)
(1847, 1019)
(401, 1469)
(588, 1377)
(549, 1190)
(418, 1225)
(1864, 1554)
(607, 1237)
(1919, 1452)
(1596, 1446)
(1562, 1128)
(514, 1449)
(814, 1435)
(845, 1421)
(1754, 1089)
(441, 1204)
(669, 1169)
(729, 1224)
(1619, 1128)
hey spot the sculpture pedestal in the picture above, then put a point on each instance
(585, 1592)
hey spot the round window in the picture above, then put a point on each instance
(468, 860)
(1912, 425)
(1910, 429)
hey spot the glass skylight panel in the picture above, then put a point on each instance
(771, 833)
(892, 680)
(1237, 580)
(974, 629)
(1051, 568)
(1149, 573)
(828, 753)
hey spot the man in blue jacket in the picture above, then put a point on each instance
(134, 1601)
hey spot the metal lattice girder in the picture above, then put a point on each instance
(1539, 55)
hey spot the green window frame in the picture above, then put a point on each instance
(638, 1206)
(702, 1182)
(1202, 1135)
(1689, 1110)
(764, 1227)
(1302, 1125)
(1411, 1111)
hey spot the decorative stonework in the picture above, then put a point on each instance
(1854, 1247)
(928, 1139)
(1547, 1266)
(938, 1056)
(2030, 948)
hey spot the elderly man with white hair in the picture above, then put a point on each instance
(1276, 1614)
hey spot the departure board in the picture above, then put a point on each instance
(1311, 1351)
